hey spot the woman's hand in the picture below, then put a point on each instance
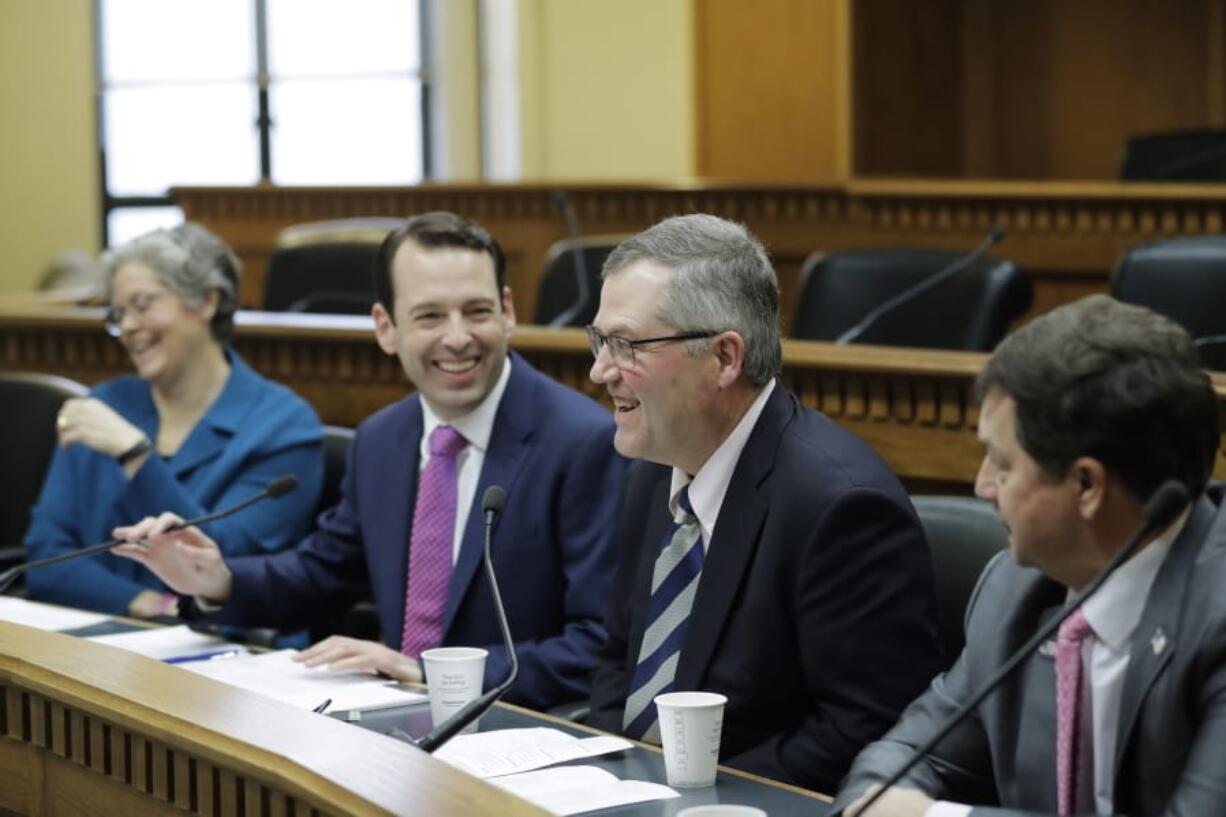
(89, 421)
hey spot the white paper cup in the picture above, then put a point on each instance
(453, 676)
(721, 811)
(690, 726)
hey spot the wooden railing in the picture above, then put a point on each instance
(915, 406)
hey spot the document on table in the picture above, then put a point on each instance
(46, 616)
(169, 643)
(509, 751)
(576, 789)
(277, 675)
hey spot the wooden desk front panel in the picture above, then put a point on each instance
(916, 407)
(1067, 236)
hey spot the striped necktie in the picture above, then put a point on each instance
(674, 581)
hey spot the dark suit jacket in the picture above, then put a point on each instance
(815, 612)
(1172, 725)
(552, 450)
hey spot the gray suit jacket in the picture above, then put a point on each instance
(1172, 730)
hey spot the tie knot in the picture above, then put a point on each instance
(1075, 628)
(445, 441)
(683, 502)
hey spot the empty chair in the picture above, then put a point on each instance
(964, 534)
(326, 266)
(1188, 156)
(558, 295)
(29, 404)
(971, 311)
(1181, 278)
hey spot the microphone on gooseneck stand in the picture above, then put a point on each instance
(919, 288)
(491, 503)
(583, 293)
(1163, 506)
(278, 487)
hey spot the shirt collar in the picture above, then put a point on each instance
(710, 484)
(478, 425)
(1115, 610)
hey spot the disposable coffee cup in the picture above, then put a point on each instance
(453, 677)
(721, 811)
(690, 727)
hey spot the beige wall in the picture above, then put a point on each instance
(607, 89)
(49, 199)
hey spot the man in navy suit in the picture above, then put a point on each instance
(445, 311)
(764, 552)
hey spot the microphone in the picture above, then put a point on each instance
(492, 502)
(278, 487)
(583, 292)
(1163, 506)
(923, 285)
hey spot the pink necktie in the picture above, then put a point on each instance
(431, 544)
(1073, 784)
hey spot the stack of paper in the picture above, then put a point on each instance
(46, 616)
(171, 643)
(514, 759)
(277, 675)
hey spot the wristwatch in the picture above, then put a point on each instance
(135, 451)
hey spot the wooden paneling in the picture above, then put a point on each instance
(771, 89)
(167, 742)
(916, 407)
(1066, 236)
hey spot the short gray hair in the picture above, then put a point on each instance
(189, 260)
(722, 280)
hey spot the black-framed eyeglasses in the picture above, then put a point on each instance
(622, 349)
(140, 303)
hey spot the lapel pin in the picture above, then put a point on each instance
(1048, 648)
(1158, 642)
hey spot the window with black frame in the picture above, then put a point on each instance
(234, 92)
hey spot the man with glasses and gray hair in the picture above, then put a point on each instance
(765, 553)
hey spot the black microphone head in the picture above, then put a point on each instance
(996, 234)
(1166, 503)
(493, 499)
(282, 485)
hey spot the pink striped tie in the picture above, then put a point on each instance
(1073, 780)
(431, 544)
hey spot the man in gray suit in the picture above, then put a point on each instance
(1085, 412)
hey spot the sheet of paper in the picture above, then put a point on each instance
(576, 789)
(168, 642)
(277, 675)
(509, 751)
(46, 616)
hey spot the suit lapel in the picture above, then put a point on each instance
(396, 470)
(659, 524)
(733, 542)
(510, 442)
(1157, 634)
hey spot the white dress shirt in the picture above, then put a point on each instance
(710, 484)
(476, 427)
(1113, 613)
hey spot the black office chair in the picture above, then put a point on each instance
(326, 266)
(1181, 278)
(964, 534)
(970, 312)
(29, 404)
(1212, 352)
(558, 292)
(1186, 156)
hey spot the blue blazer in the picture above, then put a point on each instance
(255, 431)
(552, 451)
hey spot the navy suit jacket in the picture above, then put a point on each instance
(552, 451)
(815, 614)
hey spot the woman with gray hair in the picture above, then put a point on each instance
(194, 430)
